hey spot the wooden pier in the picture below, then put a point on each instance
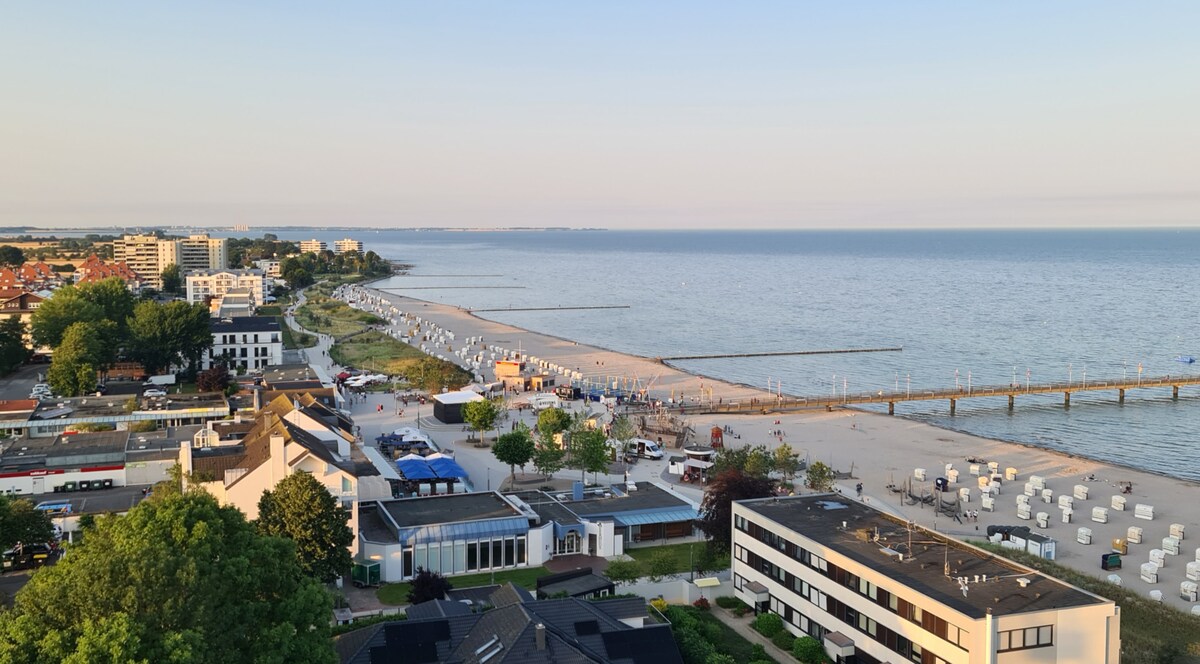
(953, 396)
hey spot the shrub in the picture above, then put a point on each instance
(742, 611)
(728, 602)
(661, 605)
(757, 652)
(768, 624)
(720, 658)
(693, 647)
(809, 650)
(702, 604)
(711, 631)
(784, 640)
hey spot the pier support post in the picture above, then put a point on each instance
(1174, 391)
(891, 408)
(953, 403)
(1121, 395)
(1066, 399)
(1011, 400)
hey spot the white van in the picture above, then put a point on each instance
(544, 401)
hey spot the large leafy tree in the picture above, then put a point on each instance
(114, 299)
(716, 512)
(13, 352)
(301, 509)
(66, 306)
(177, 579)
(515, 449)
(85, 347)
(172, 279)
(426, 585)
(481, 415)
(175, 333)
(552, 422)
(623, 431)
(20, 521)
(548, 459)
(215, 379)
(819, 477)
(11, 256)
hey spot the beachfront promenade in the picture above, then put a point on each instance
(953, 395)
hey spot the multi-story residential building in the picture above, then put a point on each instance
(37, 276)
(94, 269)
(269, 266)
(311, 246)
(20, 304)
(342, 246)
(874, 588)
(149, 255)
(215, 283)
(250, 342)
(201, 252)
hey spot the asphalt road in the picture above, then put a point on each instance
(18, 384)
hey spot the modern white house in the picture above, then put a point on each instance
(874, 588)
(247, 342)
(473, 532)
(203, 284)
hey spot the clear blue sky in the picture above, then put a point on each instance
(615, 114)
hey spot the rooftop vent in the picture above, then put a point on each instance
(1023, 582)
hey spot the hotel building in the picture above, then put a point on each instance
(342, 246)
(216, 283)
(873, 588)
(148, 255)
(311, 246)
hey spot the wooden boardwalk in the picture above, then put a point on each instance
(891, 398)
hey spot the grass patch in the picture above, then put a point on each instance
(682, 555)
(293, 338)
(1150, 632)
(326, 315)
(269, 310)
(395, 594)
(376, 351)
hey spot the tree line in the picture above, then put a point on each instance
(92, 326)
(301, 271)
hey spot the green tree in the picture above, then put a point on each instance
(177, 579)
(114, 299)
(515, 449)
(759, 462)
(819, 477)
(548, 459)
(660, 565)
(552, 422)
(163, 335)
(13, 352)
(20, 521)
(172, 280)
(787, 462)
(57, 312)
(84, 347)
(623, 431)
(809, 651)
(11, 256)
(481, 415)
(716, 512)
(301, 509)
(623, 571)
(589, 452)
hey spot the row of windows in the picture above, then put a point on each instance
(1030, 637)
(230, 339)
(928, 621)
(461, 556)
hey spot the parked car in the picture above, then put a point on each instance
(154, 392)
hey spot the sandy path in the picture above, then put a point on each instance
(882, 449)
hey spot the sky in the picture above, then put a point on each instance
(623, 115)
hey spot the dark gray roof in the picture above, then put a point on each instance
(248, 324)
(428, 510)
(820, 518)
(647, 497)
(576, 585)
(437, 608)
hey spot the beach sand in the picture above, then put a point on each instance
(882, 450)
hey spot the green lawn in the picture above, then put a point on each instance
(269, 310)
(1151, 632)
(293, 338)
(679, 554)
(397, 593)
(328, 316)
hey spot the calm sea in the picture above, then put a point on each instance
(984, 307)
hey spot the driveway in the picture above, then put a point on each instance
(18, 384)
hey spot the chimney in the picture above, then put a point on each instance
(257, 398)
(185, 464)
(539, 633)
(278, 459)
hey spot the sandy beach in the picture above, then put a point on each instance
(881, 450)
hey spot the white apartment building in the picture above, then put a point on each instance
(216, 283)
(874, 588)
(311, 246)
(269, 266)
(148, 255)
(249, 342)
(342, 246)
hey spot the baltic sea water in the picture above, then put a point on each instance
(978, 307)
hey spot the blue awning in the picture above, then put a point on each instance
(447, 468)
(413, 469)
(665, 516)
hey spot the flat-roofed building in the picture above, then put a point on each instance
(201, 252)
(343, 246)
(874, 588)
(312, 246)
(202, 284)
(149, 255)
(248, 342)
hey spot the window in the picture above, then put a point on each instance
(867, 625)
(958, 636)
(1029, 637)
(739, 552)
(472, 557)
